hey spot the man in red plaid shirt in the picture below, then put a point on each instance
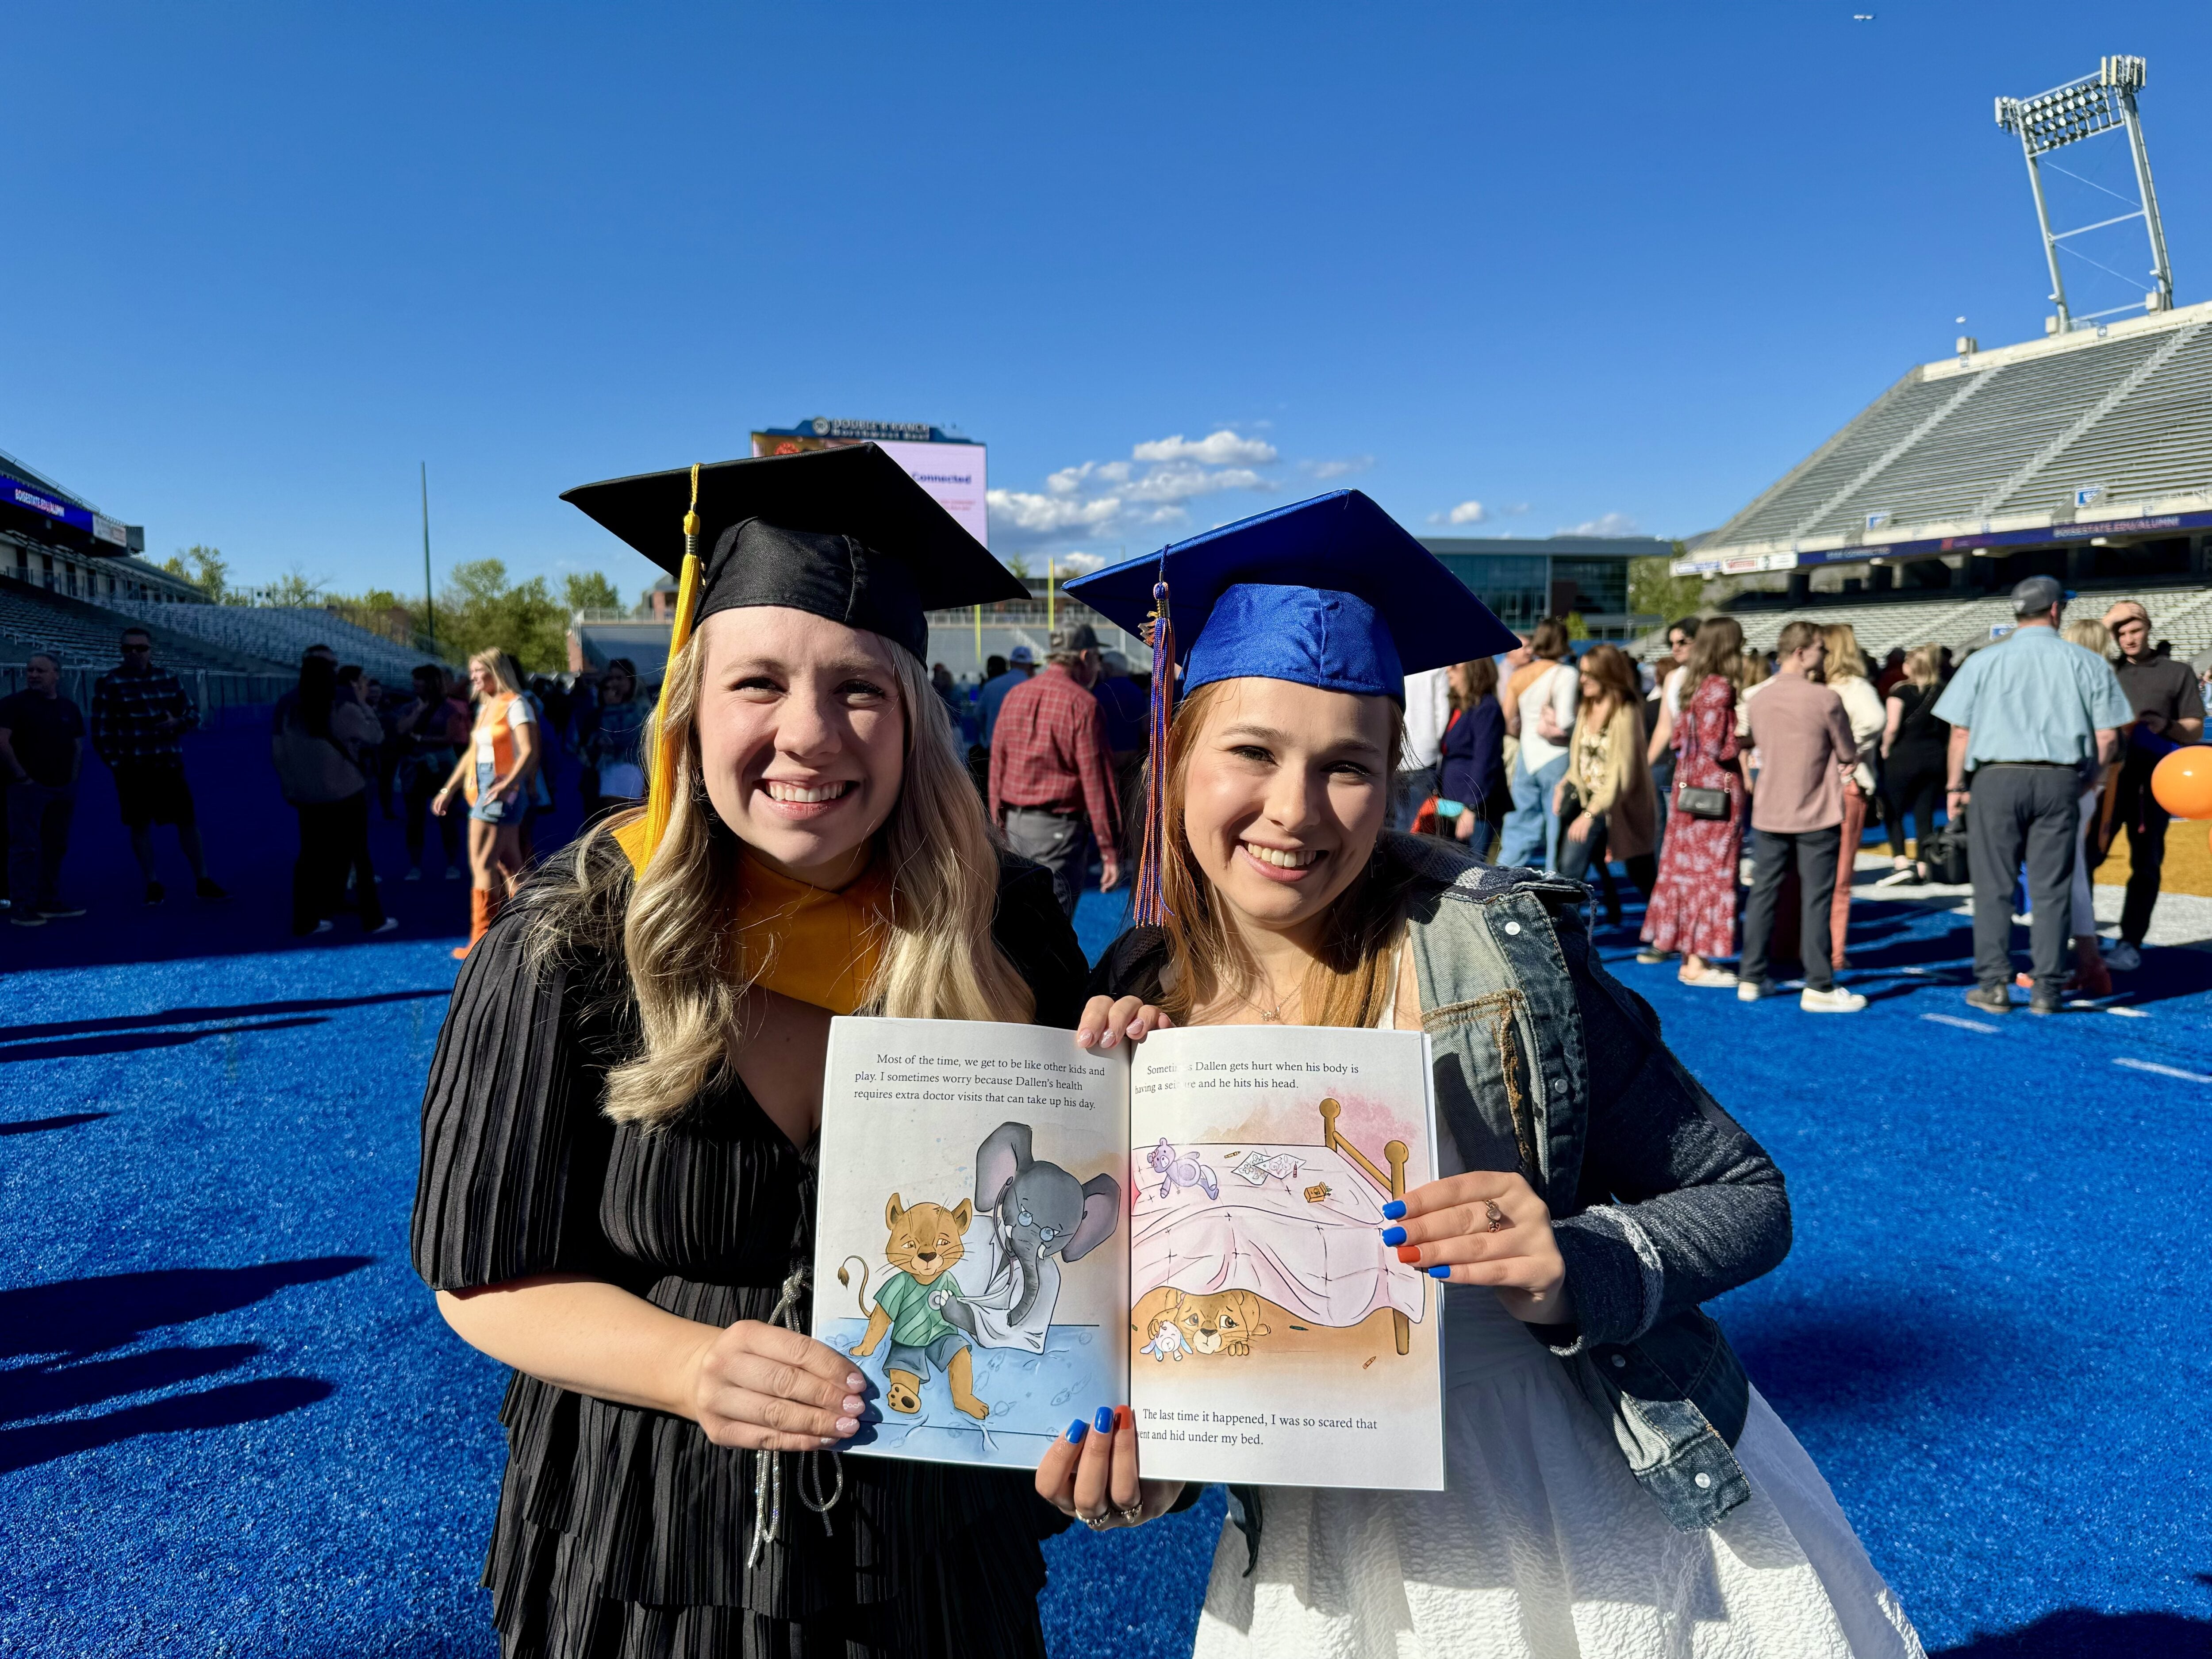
(1052, 779)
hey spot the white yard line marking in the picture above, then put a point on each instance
(1963, 1024)
(2163, 1070)
(2130, 1014)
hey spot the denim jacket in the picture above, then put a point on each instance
(1659, 1200)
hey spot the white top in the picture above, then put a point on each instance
(1672, 696)
(1562, 688)
(1428, 711)
(1862, 708)
(517, 716)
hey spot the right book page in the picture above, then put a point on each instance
(1274, 1338)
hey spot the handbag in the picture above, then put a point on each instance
(1696, 803)
(1701, 803)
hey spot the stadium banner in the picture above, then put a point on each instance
(23, 495)
(1738, 564)
(950, 469)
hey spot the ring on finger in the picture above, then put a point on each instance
(1098, 1523)
(1130, 1514)
(1498, 1222)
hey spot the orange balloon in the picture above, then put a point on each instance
(2182, 782)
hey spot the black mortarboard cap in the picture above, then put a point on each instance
(842, 533)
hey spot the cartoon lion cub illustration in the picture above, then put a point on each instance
(1225, 1323)
(925, 1241)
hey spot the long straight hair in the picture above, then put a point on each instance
(1347, 983)
(678, 931)
(1718, 650)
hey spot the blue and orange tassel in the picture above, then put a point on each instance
(1151, 907)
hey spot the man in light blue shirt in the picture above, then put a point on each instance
(2031, 716)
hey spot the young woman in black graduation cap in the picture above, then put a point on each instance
(1616, 1487)
(618, 1185)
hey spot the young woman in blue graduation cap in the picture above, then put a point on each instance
(1618, 1488)
(617, 1195)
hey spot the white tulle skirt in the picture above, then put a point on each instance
(1544, 1547)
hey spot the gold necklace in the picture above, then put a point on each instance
(1273, 1016)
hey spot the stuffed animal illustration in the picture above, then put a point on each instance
(1167, 1343)
(1181, 1171)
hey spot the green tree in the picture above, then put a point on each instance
(479, 609)
(295, 588)
(1655, 590)
(592, 591)
(205, 568)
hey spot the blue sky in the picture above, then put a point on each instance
(1616, 265)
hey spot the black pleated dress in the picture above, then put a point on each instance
(622, 1532)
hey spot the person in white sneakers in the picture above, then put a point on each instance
(1806, 756)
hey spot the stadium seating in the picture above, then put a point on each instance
(85, 634)
(278, 634)
(2014, 431)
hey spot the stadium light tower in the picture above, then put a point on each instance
(2089, 108)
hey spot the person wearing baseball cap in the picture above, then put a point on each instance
(2169, 711)
(2029, 716)
(1052, 784)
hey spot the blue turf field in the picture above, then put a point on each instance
(231, 1423)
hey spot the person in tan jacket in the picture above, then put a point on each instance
(1606, 806)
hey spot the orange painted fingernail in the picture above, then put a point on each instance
(1124, 1418)
(1409, 1253)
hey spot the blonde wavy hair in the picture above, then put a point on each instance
(677, 931)
(1846, 660)
(501, 667)
(1348, 983)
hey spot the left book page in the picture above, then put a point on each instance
(971, 1247)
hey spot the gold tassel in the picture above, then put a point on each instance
(661, 788)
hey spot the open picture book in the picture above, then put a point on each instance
(1014, 1232)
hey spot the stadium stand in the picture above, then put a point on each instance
(2010, 438)
(278, 634)
(86, 635)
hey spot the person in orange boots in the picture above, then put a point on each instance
(493, 771)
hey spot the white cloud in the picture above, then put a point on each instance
(1222, 448)
(1045, 515)
(1177, 481)
(1606, 524)
(1319, 470)
(1465, 512)
(1093, 501)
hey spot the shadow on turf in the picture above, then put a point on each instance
(2078, 1633)
(131, 1043)
(65, 1323)
(196, 1016)
(33, 1126)
(1842, 1362)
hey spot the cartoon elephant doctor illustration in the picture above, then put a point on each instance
(1039, 1216)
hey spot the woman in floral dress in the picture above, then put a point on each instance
(1694, 909)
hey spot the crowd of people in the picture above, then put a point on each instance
(1733, 787)
(341, 744)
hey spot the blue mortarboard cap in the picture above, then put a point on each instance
(1331, 592)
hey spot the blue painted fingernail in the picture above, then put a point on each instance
(1394, 1234)
(1104, 1421)
(1440, 1272)
(1075, 1432)
(1394, 1209)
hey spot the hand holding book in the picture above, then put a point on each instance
(1486, 1227)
